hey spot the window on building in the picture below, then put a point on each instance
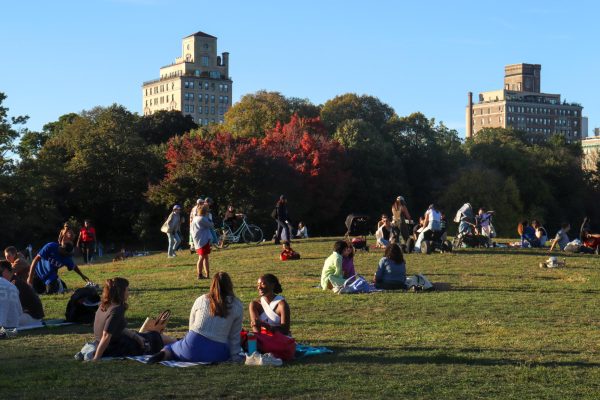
(212, 98)
(214, 74)
(199, 109)
(226, 99)
(204, 61)
(197, 72)
(206, 98)
(205, 85)
(191, 108)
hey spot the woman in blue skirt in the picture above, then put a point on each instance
(215, 325)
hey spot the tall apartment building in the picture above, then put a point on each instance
(197, 83)
(521, 105)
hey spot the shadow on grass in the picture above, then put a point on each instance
(373, 356)
(521, 290)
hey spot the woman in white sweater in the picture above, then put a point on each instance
(215, 325)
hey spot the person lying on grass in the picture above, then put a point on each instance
(391, 271)
(113, 339)
(332, 274)
(215, 326)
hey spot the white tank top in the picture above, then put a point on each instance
(269, 315)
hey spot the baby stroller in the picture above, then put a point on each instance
(433, 241)
(357, 225)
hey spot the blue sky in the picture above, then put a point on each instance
(67, 56)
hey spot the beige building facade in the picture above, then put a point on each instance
(197, 83)
(591, 151)
(521, 105)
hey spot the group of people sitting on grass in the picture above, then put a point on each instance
(339, 267)
(215, 325)
(535, 235)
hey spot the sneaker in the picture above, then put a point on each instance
(7, 333)
(270, 359)
(253, 359)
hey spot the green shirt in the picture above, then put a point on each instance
(332, 271)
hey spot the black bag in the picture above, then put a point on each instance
(82, 306)
(274, 213)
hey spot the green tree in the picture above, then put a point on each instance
(352, 106)
(256, 113)
(159, 127)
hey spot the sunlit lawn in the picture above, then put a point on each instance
(500, 328)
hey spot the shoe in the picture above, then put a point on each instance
(253, 359)
(156, 358)
(270, 359)
(7, 333)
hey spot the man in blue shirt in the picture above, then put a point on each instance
(43, 273)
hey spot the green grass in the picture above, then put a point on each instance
(501, 328)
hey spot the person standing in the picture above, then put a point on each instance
(66, 234)
(432, 222)
(401, 218)
(86, 241)
(281, 216)
(195, 211)
(172, 227)
(201, 233)
(43, 273)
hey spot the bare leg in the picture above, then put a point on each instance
(205, 266)
(199, 267)
(167, 339)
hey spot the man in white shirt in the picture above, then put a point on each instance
(433, 222)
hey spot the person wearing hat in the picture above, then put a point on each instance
(400, 215)
(172, 227)
(195, 212)
(43, 273)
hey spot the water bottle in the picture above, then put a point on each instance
(251, 343)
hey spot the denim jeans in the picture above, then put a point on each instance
(174, 241)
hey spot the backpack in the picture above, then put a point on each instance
(82, 306)
(356, 284)
(418, 283)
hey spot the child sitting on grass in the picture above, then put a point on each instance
(288, 253)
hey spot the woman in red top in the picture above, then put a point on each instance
(87, 241)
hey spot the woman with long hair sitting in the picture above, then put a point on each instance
(391, 271)
(110, 326)
(215, 326)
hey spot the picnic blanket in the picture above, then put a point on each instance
(302, 350)
(49, 323)
(172, 364)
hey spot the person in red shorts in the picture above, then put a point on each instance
(87, 241)
(201, 234)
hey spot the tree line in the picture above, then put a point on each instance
(351, 154)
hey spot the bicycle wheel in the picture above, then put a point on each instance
(253, 234)
(223, 234)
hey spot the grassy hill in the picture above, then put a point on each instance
(500, 328)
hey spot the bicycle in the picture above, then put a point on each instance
(247, 233)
